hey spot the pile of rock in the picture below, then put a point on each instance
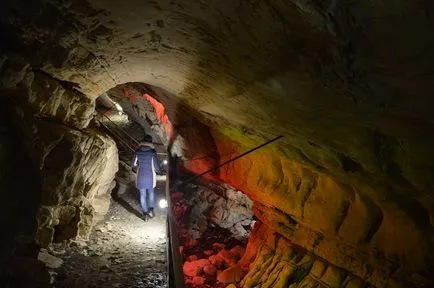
(206, 217)
(201, 207)
(221, 265)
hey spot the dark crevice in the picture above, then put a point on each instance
(349, 165)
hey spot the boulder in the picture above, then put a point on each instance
(78, 169)
(195, 268)
(227, 256)
(209, 269)
(216, 260)
(30, 271)
(198, 280)
(192, 258)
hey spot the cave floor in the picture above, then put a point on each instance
(122, 251)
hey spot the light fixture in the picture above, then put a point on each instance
(165, 162)
(162, 203)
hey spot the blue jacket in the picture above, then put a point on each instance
(146, 158)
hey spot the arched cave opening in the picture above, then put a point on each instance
(344, 199)
(110, 243)
(212, 219)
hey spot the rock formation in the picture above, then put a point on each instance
(77, 164)
(347, 84)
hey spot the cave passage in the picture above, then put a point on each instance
(123, 250)
(212, 219)
(344, 199)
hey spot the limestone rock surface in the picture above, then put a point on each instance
(348, 84)
(221, 206)
(43, 95)
(77, 164)
(78, 170)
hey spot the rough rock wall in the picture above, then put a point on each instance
(355, 228)
(78, 170)
(214, 205)
(272, 261)
(348, 224)
(348, 84)
(351, 226)
(77, 164)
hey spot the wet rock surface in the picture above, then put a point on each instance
(123, 251)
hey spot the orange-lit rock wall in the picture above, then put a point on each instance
(348, 226)
(273, 261)
(372, 239)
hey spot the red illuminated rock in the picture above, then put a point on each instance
(210, 269)
(218, 261)
(230, 275)
(208, 252)
(190, 243)
(195, 268)
(227, 256)
(238, 251)
(198, 280)
(218, 245)
(191, 258)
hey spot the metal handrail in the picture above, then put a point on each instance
(116, 135)
(125, 133)
(175, 274)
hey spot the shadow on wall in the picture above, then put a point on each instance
(20, 191)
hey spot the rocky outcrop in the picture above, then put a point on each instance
(273, 261)
(213, 205)
(351, 227)
(42, 95)
(78, 170)
(77, 164)
(213, 222)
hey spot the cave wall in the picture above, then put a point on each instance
(273, 261)
(362, 229)
(367, 238)
(347, 84)
(77, 165)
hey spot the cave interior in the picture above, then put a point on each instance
(343, 198)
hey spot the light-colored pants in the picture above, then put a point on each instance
(151, 199)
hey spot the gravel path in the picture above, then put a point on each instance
(123, 250)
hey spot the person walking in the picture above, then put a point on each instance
(146, 158)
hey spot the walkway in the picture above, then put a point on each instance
(123, 250)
